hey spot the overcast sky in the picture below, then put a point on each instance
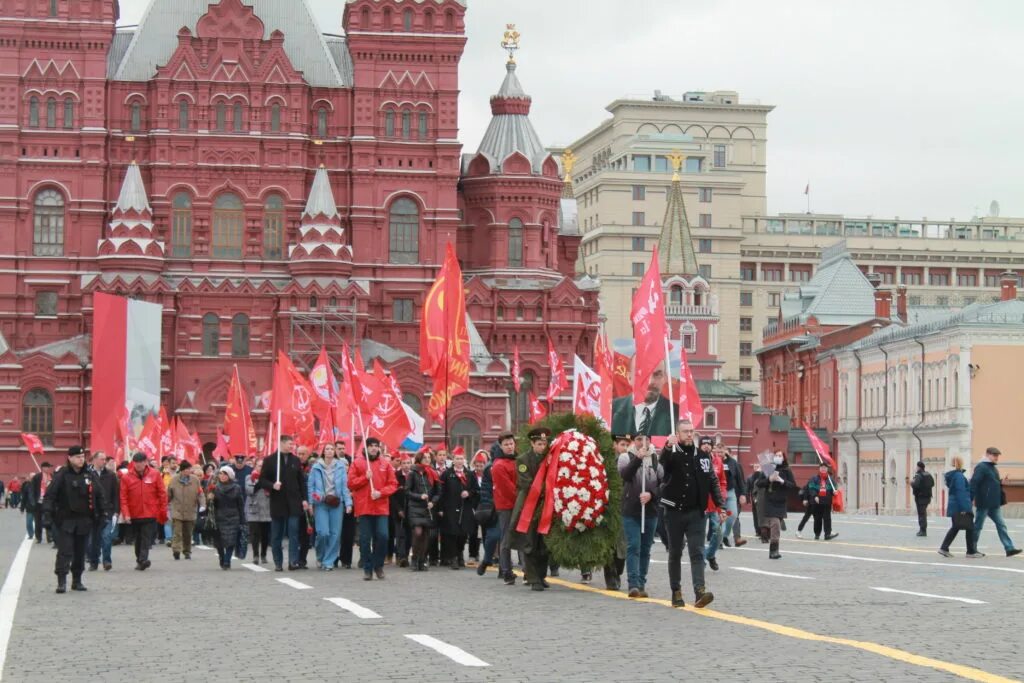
(888, 108)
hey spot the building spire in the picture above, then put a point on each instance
(321, 197)
(676, 242)
(133, 192)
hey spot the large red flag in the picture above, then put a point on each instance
(238, 428)
(604, 364)
(444, 337)
(558, 382)
(187, 447)
(819, 447)
(649, 328)
(351, 391)
(221, 451)
(517, 373)
(292, 399)
(537, 409)
(387, 420)
(325, 393)
(149, 439)
(621, 384)
(166, 430)
(689, 396)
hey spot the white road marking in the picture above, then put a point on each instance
(761, 571)
(9, 597)
(453, 653)
(255, 567)
(294, 584)
(910, 562)
(202, 547)
(358, 610)
(969, 601)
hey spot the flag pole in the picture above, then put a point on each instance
(362, 431)
(279, 446)
(668, 375)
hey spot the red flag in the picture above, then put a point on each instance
(33, 443)
(292, 398)
(621, 386)
(353, 371)
(149, 439)
(221, 452)
(604, 364)
(517, 373)
(689, 396)
(649, 328)
(238, 428)
(819, 447)
(187, 447)
(537, 409)
(444, 337)
(558, 381)
(166, 427)
(325, 393)
(387, 420)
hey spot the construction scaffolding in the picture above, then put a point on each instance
(329, 327)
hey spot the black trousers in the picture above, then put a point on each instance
(305, 540)
(808, 511)
(454, 545)
(144, 530)
(71, 546)
(685, 527)
(259, 538)
(822, 518)
(922, 514)
(348, 539)
(535, 563)
(972, 542)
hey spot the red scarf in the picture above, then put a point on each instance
(430, 474)
(823, 486)
(461, 475)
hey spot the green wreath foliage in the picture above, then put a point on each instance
(594, 547)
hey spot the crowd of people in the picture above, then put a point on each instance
(436, 508)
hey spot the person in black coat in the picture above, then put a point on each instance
(74, 502)
(775, 488)
(398, 512)
(40, 481)
(287, 501)
(457, 499)
(103, 530)
(229, 513)
(420, 490)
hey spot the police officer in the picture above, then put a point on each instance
(74, 501)
(531, 543)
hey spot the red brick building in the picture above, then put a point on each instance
(293, 188)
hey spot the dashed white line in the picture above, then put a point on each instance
(969, 601)
(761, 571)
(884, 561)
(9, 597)
(294, 584)
(357, 610)
(255, 567)
(202, 547)
(456, 654)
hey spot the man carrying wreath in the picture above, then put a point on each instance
(531, 501)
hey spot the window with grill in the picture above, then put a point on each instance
(639, 218)
(53, 8)
(639, 192)
(273, 228)
(228, 227)
(938, 279)
(211, 334)
(520, 401)
(704, 246)
(675, 295)
(402, 311)
(407, 20)
(746, 324)
(710, 418)
(704, 194)
(275, 118)
(183, 117)
(639, 244)
(51, 113)
(404, 232)
(389, 123)
(967, 279)
(37, 414)
(48, 224)
(771, 274)
(704, 271)
(33, 112)
(69, 113)
(240, 336)
(136, 117)
(719, 156)
(638, 270)
(746, 375)
(911, 278)
(406, 125)
(423, 125)
(515, 243)
(321, 122)
(181, 225)
(746, 298)
(746, 348)
(46, 304)
(704, 220)
(773, 298)
(236, 118)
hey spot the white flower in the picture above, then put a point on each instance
(580, 465)
(584, 495)
(588, 514)
(566, 518)
(574, 446)
(564, 457)
(558, 504)
(600, 518)
(576, 479)
(563, 472)
(594, 472)
(599, 458)
(580, 526)
(596, 485)
(573, 507)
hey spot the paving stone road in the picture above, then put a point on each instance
(825, 620)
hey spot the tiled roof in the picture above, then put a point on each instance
(509, 133)
(133, 191)
(717, 389)
(321, 197)
(999, 313)
(675, 248)
(156, 39)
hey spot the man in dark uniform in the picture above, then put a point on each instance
(74, 501)
(531, 543)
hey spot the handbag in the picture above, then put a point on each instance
(964, 520)
(837, 501)
(332, 501)
(484, 514)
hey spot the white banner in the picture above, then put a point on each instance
(586, 389)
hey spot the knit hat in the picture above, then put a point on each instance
(706, 440)
(228, 471)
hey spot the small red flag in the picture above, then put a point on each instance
(33, 443)
(517, 373)
(538, 411)
(689, 396)
(819, 447)
(558, 382)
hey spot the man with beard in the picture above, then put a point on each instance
(530, 542)
(372, 482)
(652, 417)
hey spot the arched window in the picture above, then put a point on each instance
(33, 112)
(275, 118)
(321, 122)
(688, 333)
(414, 402)
(675, 295)
(387, 23)
(228, 224)
(404, 219)
(698, 297)
(515, 243)
(136, 122)
(521, 402)
(51, 113)
(465, 433)
(314, 302)
(181, 225)
(406, 124)
(53, 8)
(48, 224)
(389, 123)
(37, 414)
(364, 18)
(183, 114)
(428, 20)
(449, 21)
(69, 113)
(237, 117)
(273, 227)
(423, 125)
(520, 313)
(211, 335)
(710, 418)
(407, 20)
(240, 336)
(222, 116)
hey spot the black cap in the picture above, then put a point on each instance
(139, 457)
(706, 440)
(373, 441)
(622, 437)
(76, 450)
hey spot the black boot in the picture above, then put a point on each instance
(76, 583)
(62, 584)
(773, 552)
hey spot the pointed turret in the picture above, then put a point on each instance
(129, 244)
(675, 247)
(321, 249)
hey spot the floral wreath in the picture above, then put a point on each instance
(581, 483)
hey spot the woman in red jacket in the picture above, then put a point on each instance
(372, 481)
(143, 505)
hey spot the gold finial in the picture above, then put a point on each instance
(568, 163)
(510, 42)
(677, 159)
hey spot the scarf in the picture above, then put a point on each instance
(461, 475)
(430, 474)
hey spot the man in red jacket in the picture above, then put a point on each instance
(143, 505)
(498, 491)
(372, 481)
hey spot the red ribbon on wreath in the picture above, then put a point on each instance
(546, 476)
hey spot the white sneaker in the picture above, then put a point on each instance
(799, 535)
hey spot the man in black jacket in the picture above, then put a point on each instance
(690, 480)
(103, 529)
(74, 501)
(922, 486)
(40, 482)
(282, 475)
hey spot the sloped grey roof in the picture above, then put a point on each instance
(338, 47)
(370, 349)
(321, 197)
(511, 87)
(508, 133)
(133, 191)
(118, 46)
(675, 245)
(1009, 313)
(156, 38)
(80, 346)
(478, 350)
(838, 294)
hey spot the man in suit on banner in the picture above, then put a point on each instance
(652, 417)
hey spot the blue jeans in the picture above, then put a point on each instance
(373, 541)
(996, 514)
(278, 527)
(492, 535)
(30, 525)
(638, 548)
(328, 523)
(716, 535)
(730, 505)
(100, 540)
